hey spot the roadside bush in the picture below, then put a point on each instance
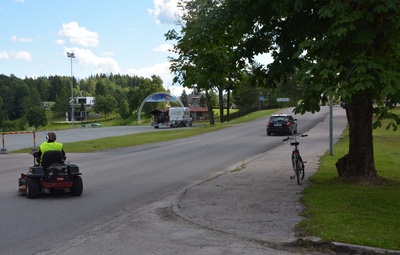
(15, 125)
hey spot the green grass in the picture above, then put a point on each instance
(216, 111)
(136, 139)
(115, 120)
(150, 137)
(252, 116)
(363, 214)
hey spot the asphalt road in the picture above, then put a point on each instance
(120, 179)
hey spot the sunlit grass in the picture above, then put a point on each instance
(136, 139)
(352, 213)
(152, 137)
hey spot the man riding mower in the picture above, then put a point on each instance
(50, 173)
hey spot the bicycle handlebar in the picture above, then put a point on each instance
(294, 138)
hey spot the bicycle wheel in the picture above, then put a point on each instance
(301, 173)
(294, 160)
(298, 171)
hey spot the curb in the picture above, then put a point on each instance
(358, 249)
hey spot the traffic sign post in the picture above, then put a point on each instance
(261, 98)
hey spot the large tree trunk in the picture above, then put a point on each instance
(359, 162)
(228, 105)
(221, 104)
(209, 107)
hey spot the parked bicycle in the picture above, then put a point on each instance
(297, 161)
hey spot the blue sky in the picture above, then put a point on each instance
(120, 36)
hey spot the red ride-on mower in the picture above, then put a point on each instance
(51, 175)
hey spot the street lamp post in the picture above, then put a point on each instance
(72, 101)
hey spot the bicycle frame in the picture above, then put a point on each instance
(297, 161)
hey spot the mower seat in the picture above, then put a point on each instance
(51, 157)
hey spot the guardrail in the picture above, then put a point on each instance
(3, 150)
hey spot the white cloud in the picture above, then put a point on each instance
(59, 42)
(165, 11)
(177, 90)
(165, 48)
(14, 38)
(79, 35)
(21, 55)
(163, 71)
(87, 59)
(5, 55)
(108, 53)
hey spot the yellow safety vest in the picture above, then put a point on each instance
(50, 146)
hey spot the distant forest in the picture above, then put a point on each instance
(120, 92)
(21, 100)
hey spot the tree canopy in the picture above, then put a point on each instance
(36, 117)
(105, 104)
(342, 49)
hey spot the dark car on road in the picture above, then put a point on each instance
(282, 124)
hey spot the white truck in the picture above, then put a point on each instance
(179, 117)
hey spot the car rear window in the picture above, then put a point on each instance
(278, 118)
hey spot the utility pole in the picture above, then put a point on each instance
(72, 101)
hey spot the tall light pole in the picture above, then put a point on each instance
(72, 101)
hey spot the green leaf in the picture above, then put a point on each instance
(376, 124)
(381, 9)
(342, 31)
(360, 69)
(325, 12)
(389, 90)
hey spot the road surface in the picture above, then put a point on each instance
(122, 179)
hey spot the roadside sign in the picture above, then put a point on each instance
(282, 99)
(261, 98)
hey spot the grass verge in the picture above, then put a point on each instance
(358, 214)
(151, 137)
(135, 139)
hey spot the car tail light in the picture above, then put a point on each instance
(268, 124)
(288, 124)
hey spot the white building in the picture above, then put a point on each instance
(88, 102)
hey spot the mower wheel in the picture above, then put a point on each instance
(32, 188)
(77, 187)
